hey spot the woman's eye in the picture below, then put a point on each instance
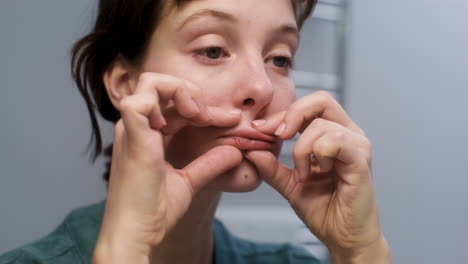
(282, 62)
(212, 52)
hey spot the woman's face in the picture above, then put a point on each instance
(239, 53)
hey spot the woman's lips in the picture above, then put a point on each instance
(244, 143)
(248, 139)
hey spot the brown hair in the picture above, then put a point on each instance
(123, 27)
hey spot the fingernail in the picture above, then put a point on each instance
(280, 129)
(259, 123)
(194, 106)
(296, 175)
(235, 112)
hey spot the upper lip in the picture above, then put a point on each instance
(249, 134)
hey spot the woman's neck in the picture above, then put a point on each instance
(192, 239)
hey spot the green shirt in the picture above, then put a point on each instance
(74, 239)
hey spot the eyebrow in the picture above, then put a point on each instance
(290, 29)
(221, 15)
(210, 13)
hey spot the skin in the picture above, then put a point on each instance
(170, 163)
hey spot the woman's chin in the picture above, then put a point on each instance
(243, 178)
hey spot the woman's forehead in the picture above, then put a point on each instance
(281, 14)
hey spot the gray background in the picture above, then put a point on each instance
(406, 86)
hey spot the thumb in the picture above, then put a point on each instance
(272, 171)
(210, 165)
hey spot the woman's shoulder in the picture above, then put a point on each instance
(232, 249)
(50, 249)
(71, 242)
(74, 239)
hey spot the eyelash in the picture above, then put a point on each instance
(202, 53)
(289, 62)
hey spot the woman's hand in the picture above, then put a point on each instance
(147, 196)
(331, 187)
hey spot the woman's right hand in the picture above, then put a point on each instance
(146, 195)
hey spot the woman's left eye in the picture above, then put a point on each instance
(282, 62)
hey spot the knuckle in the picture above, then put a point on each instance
(182, 90)
(364, 165)
(323, 96)
(146, 77)
(127, 104)
(367, 145)
(299, 152)
(367, 150)
(135, 102)
(294, 109)
(339, 136)
(318, 122)
(192, 88)
(368, 158)
(321, 146)
(361, 132)
(180, 85)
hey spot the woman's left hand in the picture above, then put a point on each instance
(331, 187)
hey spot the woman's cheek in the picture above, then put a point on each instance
(282, 99)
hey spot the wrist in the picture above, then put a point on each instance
(376, 253)
(111, 251)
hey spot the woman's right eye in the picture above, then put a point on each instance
(211, 53)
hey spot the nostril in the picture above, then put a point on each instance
(248, 102)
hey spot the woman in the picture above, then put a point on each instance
(201, 96)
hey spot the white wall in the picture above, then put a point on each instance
(44, 126)
(407, 87)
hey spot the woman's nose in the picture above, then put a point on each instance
(254, 89)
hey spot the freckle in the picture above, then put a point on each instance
(245, 176)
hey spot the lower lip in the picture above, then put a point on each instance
(246, 143)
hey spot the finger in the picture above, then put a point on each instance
(210, 165)
(303, 147)
(187, 102)
(156, 118)
(134, 110)
(314, 166)
(219, 117)
(272, 171)
(342, 148)
(270, 124)
(145, 104)
(306, 109)
(185, 95)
